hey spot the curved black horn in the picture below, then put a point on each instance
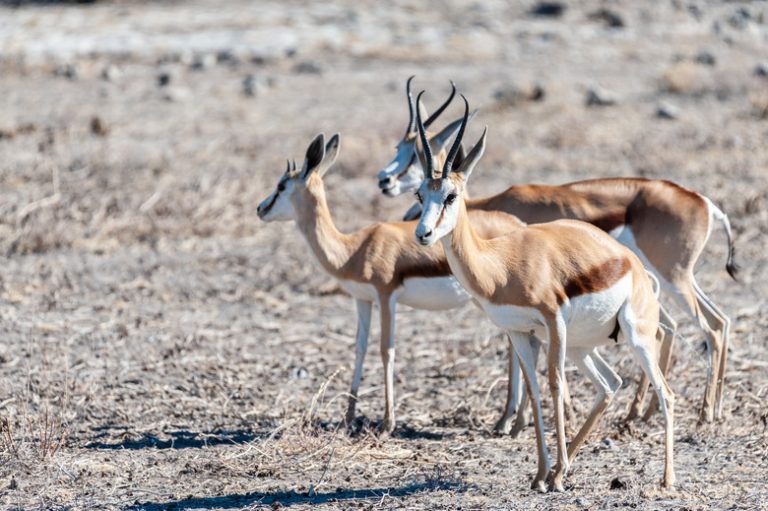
(294, 165)
(440, 110)
(287, 166)
(457, 141)
(424, 142)
(412, 118)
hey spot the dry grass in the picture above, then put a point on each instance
(163, 349)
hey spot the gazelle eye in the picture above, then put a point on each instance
(281, 187)
(449, 200)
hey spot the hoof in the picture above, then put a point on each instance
(503, 426)
(539, 485)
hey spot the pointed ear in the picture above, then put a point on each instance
(468, 165)
(440, 141)
(331, 152)
(314, 156)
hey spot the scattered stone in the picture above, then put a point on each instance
(607, 17)
(607, 443)
(761, 70)
(253, 85)
(111, 73)
(582, 502)
(740, 18)
(599, 97)
(618, 484)
(510, 95)
(705, 58)
(163, 79)
(308, 67)
(202, 62)
(227, 57)
(98, 127)
(548, 9)
(299, 373)
(68, 71)
(176, 94)
(667, 111)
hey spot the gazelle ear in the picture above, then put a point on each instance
(331, 152)
(440, 141)
(314, 156)
(468, 165)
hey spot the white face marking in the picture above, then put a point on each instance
(278, 206)
(404, 172)
(439, 210)
(435, 293)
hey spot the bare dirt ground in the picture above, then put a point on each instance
(160, 348)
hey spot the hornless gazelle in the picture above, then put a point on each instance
(566, 282)
(666, 225)
(381, 264)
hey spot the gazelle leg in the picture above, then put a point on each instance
(387, 346)
(645, 352)
(522, 419)
(514, 388)
(361, 347)
(556, 372)
(606, 382)
(722, 323)
(665, 358)
(524, 351)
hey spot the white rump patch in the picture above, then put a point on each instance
(591, 318)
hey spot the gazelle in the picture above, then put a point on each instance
(565, 282)
(666, 225)
(381, 264)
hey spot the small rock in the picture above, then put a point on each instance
(618, 484)
(111, 73)
(667, 111)
(13, 484)
(740, 18)
(548, 9)
(97, 126)
(163, 78)
(705, 58)
(176, 94)
(227, 57)
(254, 85)
(299, 373)
(607, 17)
(510, 95)
(607, 443)
(761, 70)
(201, 62)
(582, 502)
(307, 67)
(68, 71)
(599, 97)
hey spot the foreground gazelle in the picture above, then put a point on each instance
(566, 282)
(666, 225)
(379, 264)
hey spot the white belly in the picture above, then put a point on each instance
(591, 318)
(516, 318)
(435, 293)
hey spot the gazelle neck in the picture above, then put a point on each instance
(330, 246)
(467, 255)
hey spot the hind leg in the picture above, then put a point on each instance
(720, 322)
(514, 390)
(644, 348)
(665, 359)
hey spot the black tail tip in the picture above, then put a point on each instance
(731, 267)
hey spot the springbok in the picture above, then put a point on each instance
(566, 282)
(666, 225)
(380, 264)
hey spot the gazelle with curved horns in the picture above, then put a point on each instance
(381, 264)
(665, 224)
(566, 282)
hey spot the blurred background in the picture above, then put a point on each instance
(161, 346)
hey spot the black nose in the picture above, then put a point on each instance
(426, 235)
(385, 181)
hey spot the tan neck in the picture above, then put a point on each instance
(331, 247)
(467, 250)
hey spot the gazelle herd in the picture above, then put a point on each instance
(568, 267)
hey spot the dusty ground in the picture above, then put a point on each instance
(163, 349)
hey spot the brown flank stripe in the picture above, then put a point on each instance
(597, 278)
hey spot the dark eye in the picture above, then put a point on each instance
(449, 200)
(418, 196)
(281, 187)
